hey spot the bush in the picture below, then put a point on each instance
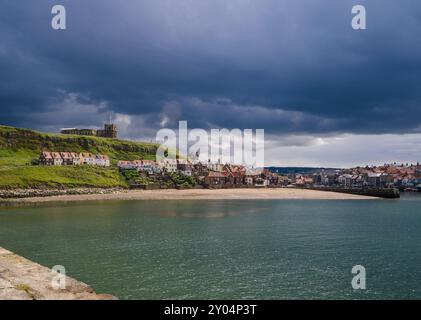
(180, 179)
(130, 174)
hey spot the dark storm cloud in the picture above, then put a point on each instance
(285, 66)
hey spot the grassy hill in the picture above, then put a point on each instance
(20, 147)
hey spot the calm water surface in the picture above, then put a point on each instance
(270, 249)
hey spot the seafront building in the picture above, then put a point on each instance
(401, 176)
(209, 175)
(217, 175)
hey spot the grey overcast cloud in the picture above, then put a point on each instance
(326, 94)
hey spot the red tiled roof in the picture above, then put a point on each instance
(47, 155)
(102, 157)
(87, 155)
(66, 155)
(215, 174)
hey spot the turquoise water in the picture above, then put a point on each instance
(268, 249)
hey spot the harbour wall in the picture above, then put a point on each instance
(22, 279)
(386, 193)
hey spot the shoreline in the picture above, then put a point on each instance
(196, 194)
(22, 279)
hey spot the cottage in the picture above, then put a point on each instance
(252, 175)
(346, 180)
(149, 163)
(46, 159)
(215, 179)
(199, 169)
(76, 158)
(73, 158)
(218, 167)
(284, 181)
(235, 175)
(358, 180)
(329, 179)
(67, 158)
(169, 165)
(317, 179)
(102, 160)
(125, 165)
(88, 158)
(57, 159)
(148, 166)
(272, 179)
(299, 180)
(185, 167)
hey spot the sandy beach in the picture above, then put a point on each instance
(200, 194)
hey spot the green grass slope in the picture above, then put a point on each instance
(60, 177)
(19, 147)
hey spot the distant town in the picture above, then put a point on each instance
(405, 177)
(151, 174)
(190, 172)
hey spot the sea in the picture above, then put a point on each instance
(227, 249)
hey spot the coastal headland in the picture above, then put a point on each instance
(44, 167)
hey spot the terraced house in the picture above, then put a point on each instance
(47, 158)
(57, 159)
(88, 158)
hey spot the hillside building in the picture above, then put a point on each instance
(109, 131)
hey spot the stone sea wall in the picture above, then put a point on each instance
(28, 193)
(22, 279)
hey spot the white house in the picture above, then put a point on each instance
(76, 158)
(215, 166)
(252, 176)
(126, 165)
(150, 166)
(102, 160)
(58, 160)
(169, 165)
(89, 158)
(346, 180)
(46, 159)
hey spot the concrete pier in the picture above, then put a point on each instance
(22, 279)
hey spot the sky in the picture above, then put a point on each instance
(325, 94)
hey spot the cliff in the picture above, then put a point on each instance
(19, 148)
